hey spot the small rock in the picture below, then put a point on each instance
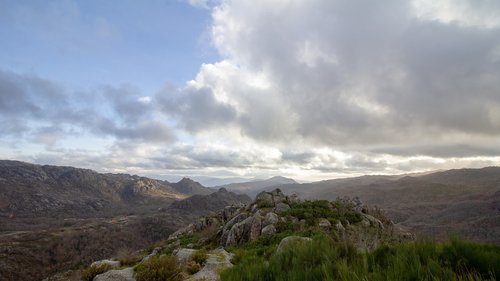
(324, 223)
(126, 274)
(269, 230)
(372, 221)
(183, 254)
(339, 227)
(290, 240)
(153, 253)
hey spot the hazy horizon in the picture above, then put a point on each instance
(310, 90)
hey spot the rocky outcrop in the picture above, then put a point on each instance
(126, 274)
(111, 263)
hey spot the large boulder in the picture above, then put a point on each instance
(281, 208)
(270, 218)
(229, 225)
(126, 274)
(291, 240)
(278, 196)
(246, 230)
(264, 199)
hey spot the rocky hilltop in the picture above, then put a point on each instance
(274, 219)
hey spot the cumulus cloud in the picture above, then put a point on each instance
(349, 73)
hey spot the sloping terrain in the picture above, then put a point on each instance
(54, 218)
(463, 202)
(213, 202)
(252, 188)
(28, 190)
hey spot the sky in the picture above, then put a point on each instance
(308, 89)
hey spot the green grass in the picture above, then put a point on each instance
(325, 259)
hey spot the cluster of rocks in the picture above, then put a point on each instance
(238, 224)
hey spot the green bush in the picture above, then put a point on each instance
(199, 256)
(159, 269)
(89, 273)
(311, 211)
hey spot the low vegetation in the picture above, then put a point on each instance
(90, 272)
(159, 268)
(326, 259)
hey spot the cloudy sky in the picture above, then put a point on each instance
(310, 89)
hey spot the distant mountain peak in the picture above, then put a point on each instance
(281, 179)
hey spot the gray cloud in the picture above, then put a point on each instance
(29, 103)
(349, 73)
(197, 109)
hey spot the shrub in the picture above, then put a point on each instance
(159, 269)
(193, 267)
(89, 273)
(199, 256)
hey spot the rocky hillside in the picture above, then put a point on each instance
(204, 249)
(206, 203)
(28, 190)
(463, 202)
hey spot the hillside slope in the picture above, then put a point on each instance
(463, 202)
(28, 190)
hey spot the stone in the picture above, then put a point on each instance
(278, 196)
(324, 223)
(264, 199)
(229, 212)
(372, 221)
(126, 274)
(153, 253)
(186, 230)
(246, 230)
(268, 230)
(294, 198)
(255, 227)
(111, 263)
(183, 254)
(270, 218)
(281, 208)
(290, 240)
(339, 227)
(217, 261)
(229, 225)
